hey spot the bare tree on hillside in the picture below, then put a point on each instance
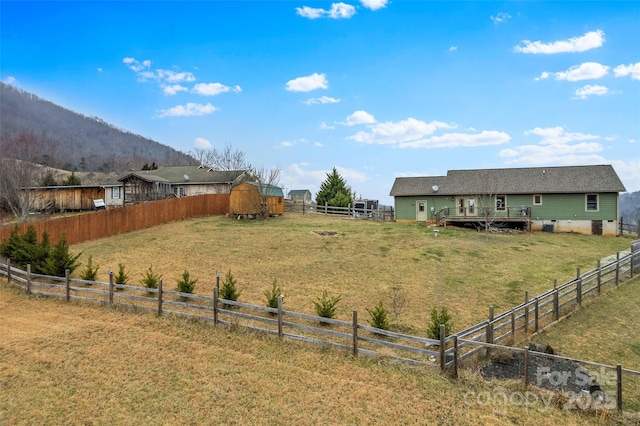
(19, 173)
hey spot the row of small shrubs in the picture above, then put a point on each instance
(54, 260)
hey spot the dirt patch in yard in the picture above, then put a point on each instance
(324, 233)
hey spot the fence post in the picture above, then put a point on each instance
(599, 278)
(29, 278)
(579, 292)
(218, 279)
(619, 393)
(455, 356)
(526, 312)
(160, 297)
(631, 264)
(355, 333)
(325, 207)
(215, 305)
(526, 367)
(110, 286)
(280, 301)
(556, 304)
(67, 284)
(513, 323)
(536, 313)
(489, 331)
(9, 270)
(443, 333)
(617, 268)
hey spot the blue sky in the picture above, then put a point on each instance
(379, 89)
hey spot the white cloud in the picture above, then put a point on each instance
(201, 143)
(589, 90)
(308, 83)
(99, 70)
(173, 89)
(10, 80)
(631, 69)
(325, 126)
(321, 100)
(134, 65)
(557, 146)
(585, 71)
(337, 11)
(500, 18)
(586, 42)
(453, 140)
(286, 144)
(398, 132)
(374, 4)
(632, 141)
(360, 117)
(341, 11)
(453, 48)
(558, 135)
(174, 77)
(187, 110)
(212, 89)
(310, 12)
(318, 145)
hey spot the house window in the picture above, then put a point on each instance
(592, 202)
(179, 191)
(421, 207)
(537, 200)
(501, 202)
(472, 205)
(115, 192)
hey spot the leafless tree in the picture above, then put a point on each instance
(222, 160)
(487, 201)
(19, 172)
(399, 302)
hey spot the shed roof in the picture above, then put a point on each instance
(531, 180)
(299, 192)
(265, 189)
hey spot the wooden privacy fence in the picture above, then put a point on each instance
(105, 223)
(522, 320)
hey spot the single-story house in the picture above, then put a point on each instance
(300, 196)
(583, 199)
(250, 198)
(173, 181)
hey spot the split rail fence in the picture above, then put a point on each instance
(477, 341)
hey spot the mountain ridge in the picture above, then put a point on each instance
(82, 143)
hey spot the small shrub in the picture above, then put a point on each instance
(150, 279)
(273, 295)
(90, 272)
(186, 284)
(121, 277)
(438, 318)
(326, 305)
(60, 259)
(229, 291)
(399, 302)
(379, 317)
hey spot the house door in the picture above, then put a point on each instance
(421, 211)
(596, 227)
(466, 206)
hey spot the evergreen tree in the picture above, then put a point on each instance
(334, 191)
(60, 259)
(48, 180)
(71, 180)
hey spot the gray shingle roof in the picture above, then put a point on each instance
(176, 175)
(538, 180)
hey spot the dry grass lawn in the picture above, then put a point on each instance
(88, 364)
(462, 270)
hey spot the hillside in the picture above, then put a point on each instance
(630, 206)
(76, 137)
